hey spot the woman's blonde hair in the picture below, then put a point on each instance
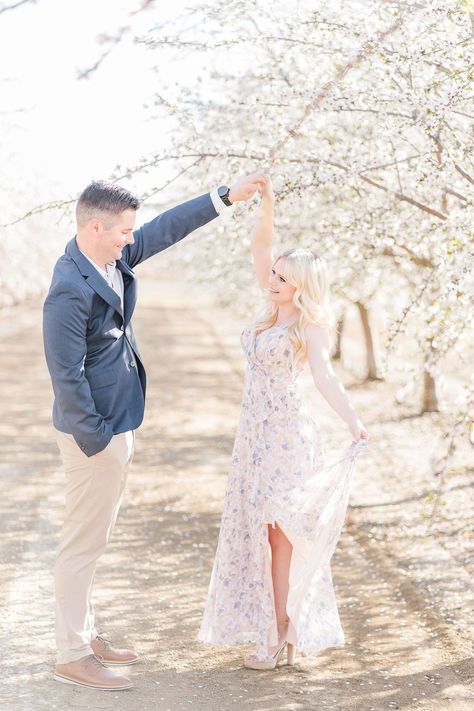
(308, 273)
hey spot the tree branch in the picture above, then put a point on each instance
(84, 74)
(38, 210)
(14, 6)
(465, 175)
(257, 157)
(419, 261)
(406, 198)
(366, 50)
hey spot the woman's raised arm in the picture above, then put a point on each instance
(262, 236)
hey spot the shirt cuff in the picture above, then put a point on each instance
(217, 202)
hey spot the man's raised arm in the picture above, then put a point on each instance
(173, 225)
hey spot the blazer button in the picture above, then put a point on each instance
(132, 364)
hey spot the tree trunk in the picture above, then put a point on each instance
(336, 355)
(430, 398)
(371, 344)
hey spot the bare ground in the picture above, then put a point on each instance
(402, 578)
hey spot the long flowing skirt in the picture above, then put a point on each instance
(279, 476)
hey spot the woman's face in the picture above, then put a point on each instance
(279, 291)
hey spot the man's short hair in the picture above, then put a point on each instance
(103, 200)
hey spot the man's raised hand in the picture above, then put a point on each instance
(245, 187)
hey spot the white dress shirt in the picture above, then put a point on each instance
(112, 276)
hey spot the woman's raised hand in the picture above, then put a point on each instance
(266, 190)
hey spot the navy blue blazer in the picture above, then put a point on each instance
(96, 370)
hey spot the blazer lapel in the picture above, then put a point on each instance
(129, 290)
(96, 280)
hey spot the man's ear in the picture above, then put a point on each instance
(96, 226)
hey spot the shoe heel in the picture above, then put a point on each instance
(290, 654)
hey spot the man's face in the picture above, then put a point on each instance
(114, 234)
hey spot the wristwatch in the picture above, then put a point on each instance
(223, 192)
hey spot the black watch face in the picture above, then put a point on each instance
(222, 191)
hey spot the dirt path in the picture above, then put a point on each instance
(401, 651)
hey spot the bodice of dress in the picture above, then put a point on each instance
(271, 375)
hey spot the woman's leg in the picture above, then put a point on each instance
(281, 559)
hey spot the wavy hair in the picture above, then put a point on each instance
(307, 272)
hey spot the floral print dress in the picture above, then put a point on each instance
(277, 476)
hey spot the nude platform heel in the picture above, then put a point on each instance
(290, 654)
(271, 662)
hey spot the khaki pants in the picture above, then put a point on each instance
(94, 489)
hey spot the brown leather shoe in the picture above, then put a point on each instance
(89, 671)
(112, 656)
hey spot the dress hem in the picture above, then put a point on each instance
(309, 649)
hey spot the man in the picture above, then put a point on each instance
(99, 387)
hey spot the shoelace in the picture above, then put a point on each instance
(93, 660)
(104, 641)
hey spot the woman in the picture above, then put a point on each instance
(284, 508)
